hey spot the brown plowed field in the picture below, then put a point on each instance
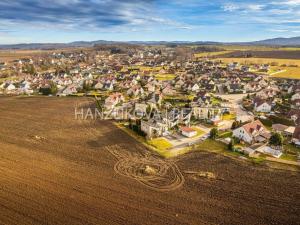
(275, 54)
(58, 170)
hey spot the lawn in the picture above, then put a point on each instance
(217, 147)
(212, 145)
(182, 98)
(225, 134)
(289, 157)
(165, 76)
(229, 116)
(290, 152)
(78, 94)
(160, 144)
(207, 145)
(215, 101)
(199, 131)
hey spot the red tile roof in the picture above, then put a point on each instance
(187, 129)
(254, 126)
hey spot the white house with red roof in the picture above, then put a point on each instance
(113, 100)
(188, 131)
(252, 132)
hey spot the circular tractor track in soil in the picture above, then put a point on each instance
(150, 171)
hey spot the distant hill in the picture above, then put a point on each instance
(294, 41)
(55, 45)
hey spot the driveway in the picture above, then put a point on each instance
(179, 141)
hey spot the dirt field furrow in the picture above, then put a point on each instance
(55, 170)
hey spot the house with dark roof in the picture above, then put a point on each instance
(261, 105)
(294, 115)
(296, 136)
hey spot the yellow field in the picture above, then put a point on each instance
(208, 54)
(287, 71)
(10, 55)
(165, 76)
(147, 68)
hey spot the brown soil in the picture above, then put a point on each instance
(58, 170)
(275, 54)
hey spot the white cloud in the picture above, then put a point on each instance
(230, 7)
(291, 2)
(255, 7)
(279, 30)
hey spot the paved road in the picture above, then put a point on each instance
(235, 102)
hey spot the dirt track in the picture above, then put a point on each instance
(56, 170)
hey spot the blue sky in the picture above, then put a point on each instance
(25, 21)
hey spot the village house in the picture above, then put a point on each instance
(188, 132)
(234, 88)
(69, 90)
(283, 129)
(294, 89)
(135, 91)
(168, 90)
(295, 96)
(113, 100)
(207, 113)
(252, 132)
(296, 136)
(279, 128)
(99, 85)
(296, 104)
(252, 87)
(140, 109)
(195, 88)
(261, 105)
(155, 100)
(150, 87)
(267, 93)
(154, 128)
(294, 115)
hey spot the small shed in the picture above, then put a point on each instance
(188, 131)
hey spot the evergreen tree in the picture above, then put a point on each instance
(231, 145)
(276, 139)
(214, 133)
